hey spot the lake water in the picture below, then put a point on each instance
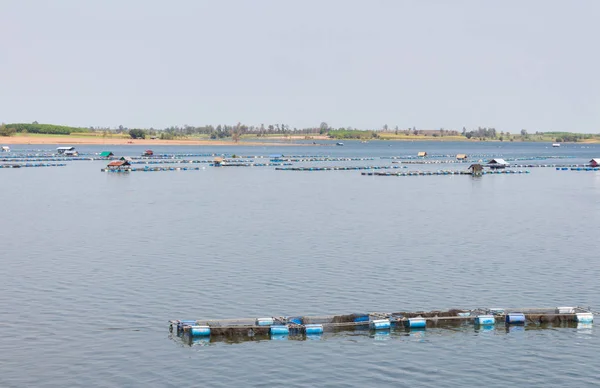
(95, 264)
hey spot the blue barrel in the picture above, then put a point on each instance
(485, 320)
(515, 319)
(200, 330)
(380, 324)
(314, 329)
(296, 320)
(264, 321)
(415, 323)
(584, 317)
(361, 318)
(280, 330)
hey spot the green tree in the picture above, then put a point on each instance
(6, 131)
(137, 133)
(323, 128)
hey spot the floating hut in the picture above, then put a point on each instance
(118, 165)
(72, 152)
(461, 156)
(148, 153)
(422, 154)
(106, 154)
(497, 163)
(476, 169)
(62, 150)
(5, 149)
(595, 162)
(218, 161)
(126, 158)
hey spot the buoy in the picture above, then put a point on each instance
(380, 324)
(415, 323)
(515, 319)
(485, 320)
(200, 330)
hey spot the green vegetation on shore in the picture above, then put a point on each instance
(284, 132)
(45, 128)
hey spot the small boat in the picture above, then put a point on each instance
(339, 144)
(556, 145)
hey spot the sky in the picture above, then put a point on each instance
(430, 64)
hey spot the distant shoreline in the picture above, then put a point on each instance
(112, 141)
(88, 140)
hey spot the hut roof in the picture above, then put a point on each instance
(218, 159)
(106, 153)
(461, 156)
(595, 160)
(127, 158)
(497, 161)
(422, 153)
(118, 163)
(65, 148)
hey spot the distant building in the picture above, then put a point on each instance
(497, 163)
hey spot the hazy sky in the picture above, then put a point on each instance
(142, 63)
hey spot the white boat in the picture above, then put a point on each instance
(556, 145)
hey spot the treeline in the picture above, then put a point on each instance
(45, 128)
(561, 137)
(481, 133)
(352, 134)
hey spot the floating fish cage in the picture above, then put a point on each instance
(339, 168)
(444, 172)
(301, 327)
(152, 169)
(26, 165)
(587, 168)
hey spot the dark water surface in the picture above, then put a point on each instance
(93, 265)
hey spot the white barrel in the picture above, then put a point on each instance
(380, 324)
(264, 321)
(584, 317)
(565, 310)
(485, 320)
